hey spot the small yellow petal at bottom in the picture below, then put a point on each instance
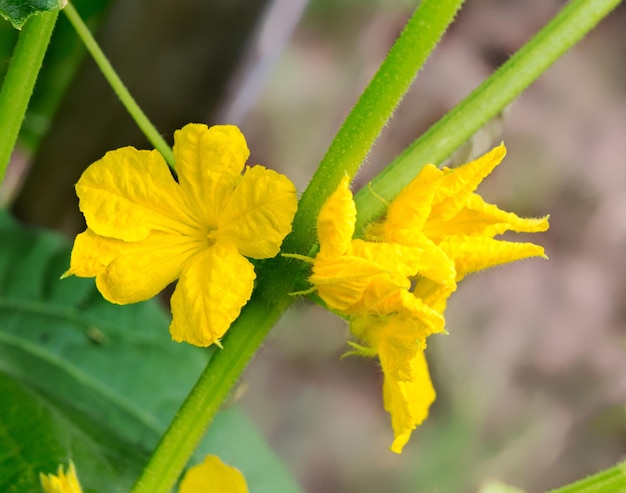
(62, 482)
(212, 289)
(213, 476)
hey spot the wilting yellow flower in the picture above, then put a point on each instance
(145, 229)
(357, 277)
(440, 207)
(62, 482)
(394, 284)
(213, 476)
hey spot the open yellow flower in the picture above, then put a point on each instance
(213, 476)
(62, 482)
(145, 229)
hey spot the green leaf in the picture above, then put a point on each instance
(79, 356)
(110, 360)
(18, 11)
(37, 435)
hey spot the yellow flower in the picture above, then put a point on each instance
(62, 482)
(357, 277)
(440, 207)
(145, 229)
(393, 285)
(372, 283)
(213, 476)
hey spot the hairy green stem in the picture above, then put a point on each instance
(20, 79)
(373, 110)
(491, 97)
(118, 86)
(345, 155)
(611, 480)
(202, 404)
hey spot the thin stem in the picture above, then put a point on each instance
(611, 480)
(20, 80)
(118, 86)
(491, 97)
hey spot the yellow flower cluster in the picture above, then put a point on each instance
(394, 284)
(145, 229)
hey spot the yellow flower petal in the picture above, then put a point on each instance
(213, 476)
(342, 281)
(478, 218)
(62, 482)
(336, 221)
(409, 211)
(129, 272)
(258, 215)
(458, 184)
(408, 401)
(129, 193)
(472, 254)
(396, 336)
(213, 287)
(209, 162)
(433, 294)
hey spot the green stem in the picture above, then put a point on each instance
(522, 69)
(202, 404)
(118, 86)
(345, 155)
(20, 80)
(374, 108)
(361, 129)
(611, 480)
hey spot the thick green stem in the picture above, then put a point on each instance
(118, 86)
(611, 480)
(345, 155)
(20, 79)
(205, 400)
(491, 97)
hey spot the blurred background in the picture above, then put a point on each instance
(531, 379)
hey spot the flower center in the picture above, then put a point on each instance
(212, 236)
